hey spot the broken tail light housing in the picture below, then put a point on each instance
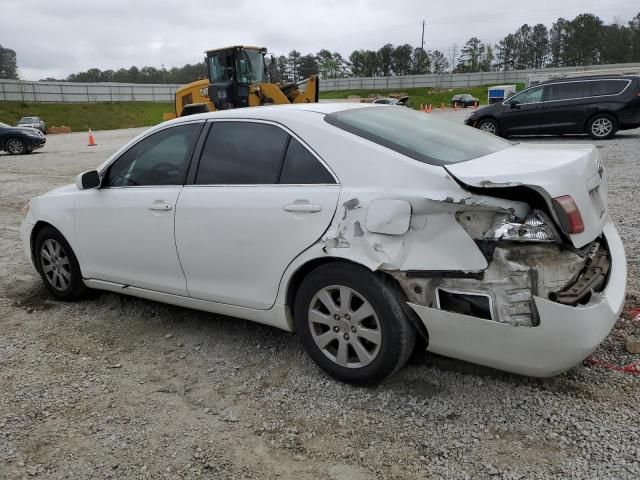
(536, 227)
(568, 214)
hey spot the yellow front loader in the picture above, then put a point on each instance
(237, 78)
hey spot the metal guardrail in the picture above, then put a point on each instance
(458, 80)
(68, 92)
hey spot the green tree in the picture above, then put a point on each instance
(471, 56)
(439, 63)
(8, 64)
(293, 60)
(419, 61)
(385, 55)
(401, 59)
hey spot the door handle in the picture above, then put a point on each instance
(160, 206)
(302, 207)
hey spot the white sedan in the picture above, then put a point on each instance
(363, 228)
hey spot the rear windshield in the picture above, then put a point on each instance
(418, 135)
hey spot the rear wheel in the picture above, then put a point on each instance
(602, 126)
(58, 266)
(489, 125)
(352, 324)
(15, 146)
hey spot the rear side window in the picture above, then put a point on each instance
(242, 153)
(566, 91)
(301, 167)
(607, 87)
(422, 137)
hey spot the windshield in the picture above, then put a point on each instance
(250, 64)
(27, 120)
(416, 135)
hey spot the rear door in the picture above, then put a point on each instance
(259, 198)
(522, 113)
(565, 107)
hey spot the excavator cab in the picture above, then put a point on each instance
(234, 74)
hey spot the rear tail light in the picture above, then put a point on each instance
(568, 214)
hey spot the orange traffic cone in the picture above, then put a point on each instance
(92, 142)
(422, 107)
(442, 106)
(455, 106)
(429, 109)
(476, 104)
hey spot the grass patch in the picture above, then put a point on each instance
(82, 116)
(418, 96)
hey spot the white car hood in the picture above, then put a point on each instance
(553, 171)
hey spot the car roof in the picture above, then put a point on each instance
(276, 112)
(590, 77)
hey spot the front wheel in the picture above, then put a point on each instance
(352, 324)
(15, 146)
(57, 265)
(602, 126)
(489, 125)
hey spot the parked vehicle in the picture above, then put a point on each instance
(499, 93)
(402, 101)
(598, 106)
(361, 227)
(33, 122)
(464, 100)
(19, 140)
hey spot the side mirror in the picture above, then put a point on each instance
(514, 104)
(88, 180)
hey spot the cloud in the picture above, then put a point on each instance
(66, 36)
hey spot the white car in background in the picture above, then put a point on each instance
(361, 227)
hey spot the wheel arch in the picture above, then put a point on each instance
(37, 228)
(601, 112)
(306, 268)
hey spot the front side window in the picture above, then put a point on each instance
(566, 91)
(532, 95)
(242, 153)
(221, 67)
(159, 159)
(418, 136)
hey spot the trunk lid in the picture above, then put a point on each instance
(551, 170)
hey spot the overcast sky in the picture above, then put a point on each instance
(59, 37)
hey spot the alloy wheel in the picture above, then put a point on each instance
(344, 326)
(488, 127)
(55, 264)
(601, 127)
(15, 146)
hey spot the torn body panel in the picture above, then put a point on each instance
(410, 231)
(515, 274)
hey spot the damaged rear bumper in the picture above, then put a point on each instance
(564, 336)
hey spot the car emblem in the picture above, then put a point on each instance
(600, 168)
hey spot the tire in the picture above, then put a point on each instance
(602, 126)
(15, 146)
(58, 266)
(362, 343)
(489, 125)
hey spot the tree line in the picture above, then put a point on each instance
(585, 40)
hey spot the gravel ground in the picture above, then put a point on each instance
(125, 388)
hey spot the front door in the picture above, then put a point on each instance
(522, 113)
(125, 228)
(259, 199)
